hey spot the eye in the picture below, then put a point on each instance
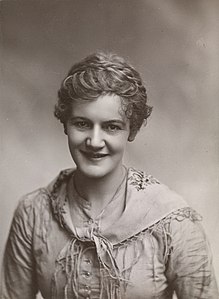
(112, 128)
(82, 124)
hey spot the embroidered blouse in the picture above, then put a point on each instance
(146, 243)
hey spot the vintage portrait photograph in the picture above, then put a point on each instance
(109, 149)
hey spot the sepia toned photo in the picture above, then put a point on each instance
(109, 149)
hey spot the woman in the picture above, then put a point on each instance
(102, 230)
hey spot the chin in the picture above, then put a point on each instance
(91, 172)
(95, 172)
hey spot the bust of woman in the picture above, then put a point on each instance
(102, 230)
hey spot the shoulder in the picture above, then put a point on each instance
(190, 258)
(144, 182)
(39, 200)
(178, 213)
(185, 227)
(30, 202)
(154, 193)
(186, 237)
(151, 202)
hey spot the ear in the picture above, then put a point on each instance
(132, 135)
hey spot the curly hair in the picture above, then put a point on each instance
(101, 74)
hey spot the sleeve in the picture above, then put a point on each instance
(190, 264)
(18, 274)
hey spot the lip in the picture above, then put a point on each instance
(94, 156)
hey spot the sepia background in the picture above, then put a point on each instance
(173, 43)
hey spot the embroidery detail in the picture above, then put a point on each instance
(57, 204)
(163, 227)
(188, 213)
(179, 215)
(140, 180)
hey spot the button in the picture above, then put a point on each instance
(86, 274)
(85, 291)
(90, 221)
(88, 261)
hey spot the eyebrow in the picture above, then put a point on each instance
(107, 121)
(75, 117)
(115, 121)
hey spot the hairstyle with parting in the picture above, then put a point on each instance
(101, 74)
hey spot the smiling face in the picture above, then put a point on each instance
(97, 136)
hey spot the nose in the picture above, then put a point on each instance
(95, 139)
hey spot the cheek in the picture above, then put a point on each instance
(75, 138)
(119, 144)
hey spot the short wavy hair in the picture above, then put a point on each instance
(100, 74)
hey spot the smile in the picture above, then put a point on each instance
(94, 156)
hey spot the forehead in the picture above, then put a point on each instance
(104, 108)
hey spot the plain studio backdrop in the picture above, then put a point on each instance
(173, 43)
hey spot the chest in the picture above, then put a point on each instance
(68, 268)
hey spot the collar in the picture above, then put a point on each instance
(150, 200)
(147, 201)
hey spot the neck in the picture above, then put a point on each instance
(99, 191)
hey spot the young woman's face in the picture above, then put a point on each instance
(97, 135)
